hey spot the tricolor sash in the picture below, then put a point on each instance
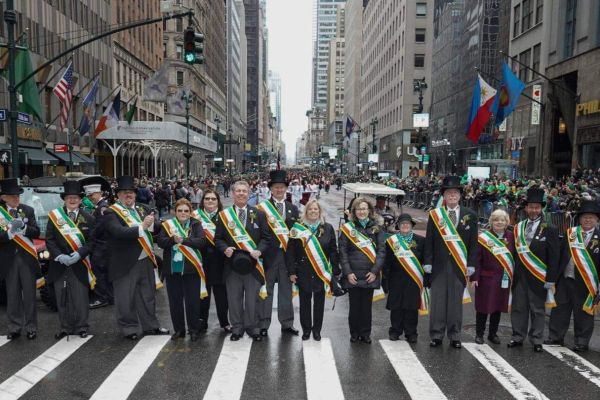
(453, 242)
(243, 241)
(276, 222)
(501, 253)
(73, 236)
(209, 227)
(173, 227)
(585, 267)
(413, 268)
(133, 220)
(315, 253)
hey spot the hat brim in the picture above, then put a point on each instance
(96, 180)
(12, 193)
(63, 195)
(117, 190)
(443, 189)
(286, 183)
(543, 203)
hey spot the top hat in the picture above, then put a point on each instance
(242, 262)
(125, 183)
(71, 188)
(10, 186)
(451, 182)
(405, 217)
(589, 207)
(278, 176)
(535, 195)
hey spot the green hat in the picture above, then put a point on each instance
(490, 188)
(502, 188)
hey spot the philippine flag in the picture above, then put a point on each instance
(483, 97)
(110, 117)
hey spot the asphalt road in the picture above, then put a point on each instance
(106, 366)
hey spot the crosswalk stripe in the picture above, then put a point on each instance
(578, 363)
(228, 376)
(3, 341)
(121, 382)
(18, 384)
(515, 383)
(414, 377)
(322, 380)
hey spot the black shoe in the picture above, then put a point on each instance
(98, 304)
(156, 332)
(60, 335)
(494, 339)
(257, 338)
(132, 336)
(366, 339)
(83, 334)
(290, 330)
(193, 337)
(264, 332)
(354, 339)
(412, 339)
(479, 339)
(456, 344)
(317, 336)
(435, 342)
(306, 336)
(394, 337)
(31, 335)
(554, 342)
(203, 325)
(537, 348)
(514, 343)
(178, 335)
(580, 348)
(227, 329)
(235, 337)
(13, 335)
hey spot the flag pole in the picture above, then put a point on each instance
(96, 75)
(497, 81)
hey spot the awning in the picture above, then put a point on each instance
(85, 159)
(77, 158)
(38, 156)
(495, 161)
(372, 188)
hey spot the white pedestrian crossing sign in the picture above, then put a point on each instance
(4, 156)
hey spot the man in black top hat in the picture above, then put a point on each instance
(69, 260)
(275, 264)
(129, 227)
(529, 289)
(19, 264)
(572, 293)
(447, 276)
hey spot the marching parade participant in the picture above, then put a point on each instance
(578, 288)
(20, 264)
(493, 275)
(362, 254)
(182, 237)
(69, 241)
(243, 235)
(407, 295)
(281, 216)
(538, 251)
(314, 263)
(208, 215)
(450, 256)
(129, 228)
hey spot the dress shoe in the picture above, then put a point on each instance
(264, 332)
(31, 335)
(366, 339)
(203, 325)
(60, 335)
(227, 329)
(580, 348)
(412, 339)
(291, 330)
(494, 339)
(193, 337)
(353, 339)
(306, 336)
(555, 342)
(479, 339)
(98, 304)
(178, 335)
(156, 332)
(257, 338)
(394, 337)
(537, 348)
(132, 336)
(235, 337)
(435, 342)
(13, 335)
(456, 344)
(317, 336)
(83, 334)
(514, 343)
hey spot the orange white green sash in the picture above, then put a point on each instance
(276, 222)
(133, 220)
(209, 227)
(173, 227)
(243, 241)
(502, 253)
(453, 242)
(316, 255)
(413, 268)
(585, 266)
(73, 236)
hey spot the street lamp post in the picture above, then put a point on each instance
(374, 123)
(187, 154)
(420, 85)
(219, 149)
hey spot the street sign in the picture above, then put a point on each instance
(61, 148)
(24, 118)
(2, 114)
(4, 156)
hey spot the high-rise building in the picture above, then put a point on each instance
(275, 97)
(335, 70)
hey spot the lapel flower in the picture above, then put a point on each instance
(465, 219)
(21, 213)
(252, 216)
(542, 227)
(413, 245)
(140, 211)
(80, 220)
(375, 230)
(320, 232)
(594, 244)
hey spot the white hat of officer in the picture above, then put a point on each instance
(90, 189)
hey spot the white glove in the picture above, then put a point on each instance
(470, 271)
(427, 268)
(549, 285)
(16, 225)
(63, 259)
(73, 258)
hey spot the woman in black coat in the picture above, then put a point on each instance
(208, 214)
(404, 297)
(182, 278)
(362, 271)
(302, 272)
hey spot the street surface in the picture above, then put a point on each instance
(106, 366)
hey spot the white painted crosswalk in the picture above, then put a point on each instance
(578, 363)
(3, 341)
(322, 380)
(228, 377)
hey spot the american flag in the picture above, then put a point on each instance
(64, 92)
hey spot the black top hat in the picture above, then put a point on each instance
(451, 182)
(589, 207)
(405, 217)
(72, 188)
(535, 195)
(125, 183)
(278, 176)
(242, 262)
(10, 186)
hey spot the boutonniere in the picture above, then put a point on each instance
(542, 227)
(140, 210)
(594, 244)
(465, 219)
(321, 231)
(413, 245)
(21, 213)
(80, 220)
(252, 216)
(375, 230)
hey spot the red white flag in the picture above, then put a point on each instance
(64, 92)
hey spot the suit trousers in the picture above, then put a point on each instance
(104, 287)
(276, 271)
(242, 298)
(312, 321)
(72, 300)
(526, 304)
(220, 293)
(569, 300)
(20, 296)
(481, 319)
(404, 321)
(135, 302)
(446, 307)
(360, 312)
(184, 294)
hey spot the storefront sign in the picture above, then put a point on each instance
(515, 143)
(439, 143)
(591, 107)
(536, 107)
(29, 133)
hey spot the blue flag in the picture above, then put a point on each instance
(350, 124)
(508, 95)
(89, 110)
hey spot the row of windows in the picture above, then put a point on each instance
(531, 58)
(523, 14)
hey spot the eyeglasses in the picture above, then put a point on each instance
(184, 211)
(210, 198)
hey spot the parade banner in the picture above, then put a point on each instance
(585, 266)
(209, 227)
(315, 254)
(276, 222)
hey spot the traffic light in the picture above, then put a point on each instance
(193, 46)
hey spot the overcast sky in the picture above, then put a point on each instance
(290, 54)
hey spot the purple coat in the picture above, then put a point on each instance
(490, 297)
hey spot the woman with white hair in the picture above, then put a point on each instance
(493, 275)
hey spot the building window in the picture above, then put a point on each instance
(525, 60)
(421, 9)
(420, 35)
(570, 21)
(516, 19)
(535, 65)
(179, 78)
(539, 11)
(179, 24)
(419, 60)
(179, 52)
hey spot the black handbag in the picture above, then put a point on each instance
(336, 288)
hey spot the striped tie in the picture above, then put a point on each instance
(279, 208)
